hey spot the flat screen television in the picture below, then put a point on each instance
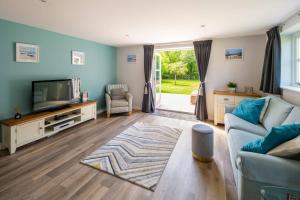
(52, 94)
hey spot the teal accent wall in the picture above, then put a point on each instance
(55, 63)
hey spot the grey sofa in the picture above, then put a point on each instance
(121, 105)
(255, 174)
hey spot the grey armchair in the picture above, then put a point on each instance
(121, 105)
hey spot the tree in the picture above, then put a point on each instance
(177, 68)
(188, 57)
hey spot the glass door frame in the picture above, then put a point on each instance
(156, 80)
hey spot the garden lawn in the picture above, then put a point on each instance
(181, 87)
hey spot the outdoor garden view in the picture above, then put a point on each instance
(179, 72)
(179, 80)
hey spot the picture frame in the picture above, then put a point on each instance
(234, 54)
(131, 58)
(78, 58)
(27, 53)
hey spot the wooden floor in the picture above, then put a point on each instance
(50, 168)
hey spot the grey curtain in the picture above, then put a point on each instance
(270, 80)
(202, 53)
(148, 99)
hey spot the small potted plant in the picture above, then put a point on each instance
(232, 86)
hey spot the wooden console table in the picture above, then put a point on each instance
(223, 98)
(32, 127)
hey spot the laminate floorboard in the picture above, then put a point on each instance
(51, 169)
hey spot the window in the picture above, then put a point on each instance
(297, 60)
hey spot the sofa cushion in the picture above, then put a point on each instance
(274, 138)
(250, 109)
(234, 122)
(236, 139)
(289, 149)
(119, 103)
(293, 117)
(276, 113)
(264, 109)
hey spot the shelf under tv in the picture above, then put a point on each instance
(18, 132)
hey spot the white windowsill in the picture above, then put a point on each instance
(291, 88)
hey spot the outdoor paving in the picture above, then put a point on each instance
(176, 102)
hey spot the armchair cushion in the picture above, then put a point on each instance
(119, 103)
(117, 94)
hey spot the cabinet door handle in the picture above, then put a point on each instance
(226, 99)
(41, 128)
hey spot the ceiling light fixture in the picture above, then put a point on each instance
(126, 35)
(202, 26)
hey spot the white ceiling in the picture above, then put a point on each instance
(150, 21)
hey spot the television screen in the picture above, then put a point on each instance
(52, 94)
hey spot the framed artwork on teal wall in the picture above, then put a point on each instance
(78, 58)
(27, 53)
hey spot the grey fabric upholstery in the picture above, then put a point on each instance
(253, 171)
(236, 139)
(120, 105)
(293, 117)
(234, 122)
(276, 113)
(117, 94)
(229, 108)
(116, 86)
(260, 170)
(202, 141)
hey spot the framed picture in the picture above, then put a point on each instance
(78, 58)
(131, 58)
(234, 54)
(27, 53)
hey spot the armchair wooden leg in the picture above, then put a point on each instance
(129, 113)
(108, 115)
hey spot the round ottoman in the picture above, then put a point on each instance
(202, 142)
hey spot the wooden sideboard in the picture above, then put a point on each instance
(223, 98)
(18, 132)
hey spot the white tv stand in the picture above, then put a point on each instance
(18, 132)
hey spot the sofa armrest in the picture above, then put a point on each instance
(129, 98)
(269, 169)
(229, 108)
(108, 102)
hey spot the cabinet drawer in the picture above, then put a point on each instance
(29, 132)
(88, 112)
(225, 99)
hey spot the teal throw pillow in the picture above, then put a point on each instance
(275, 137)
(249, 110)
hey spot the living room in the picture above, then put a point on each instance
(78, 109)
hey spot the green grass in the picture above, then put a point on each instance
(181, 87)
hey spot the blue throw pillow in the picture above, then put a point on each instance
(275, 137)
(249, 110)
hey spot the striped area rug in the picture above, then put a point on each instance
(138, 155)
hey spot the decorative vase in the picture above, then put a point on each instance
(231, 89)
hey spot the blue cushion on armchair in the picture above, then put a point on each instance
(275, 137)
(249, 110)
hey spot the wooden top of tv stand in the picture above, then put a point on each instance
(42, 115)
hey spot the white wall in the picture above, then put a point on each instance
(246, 72)
(132, 74)
(291, 96)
